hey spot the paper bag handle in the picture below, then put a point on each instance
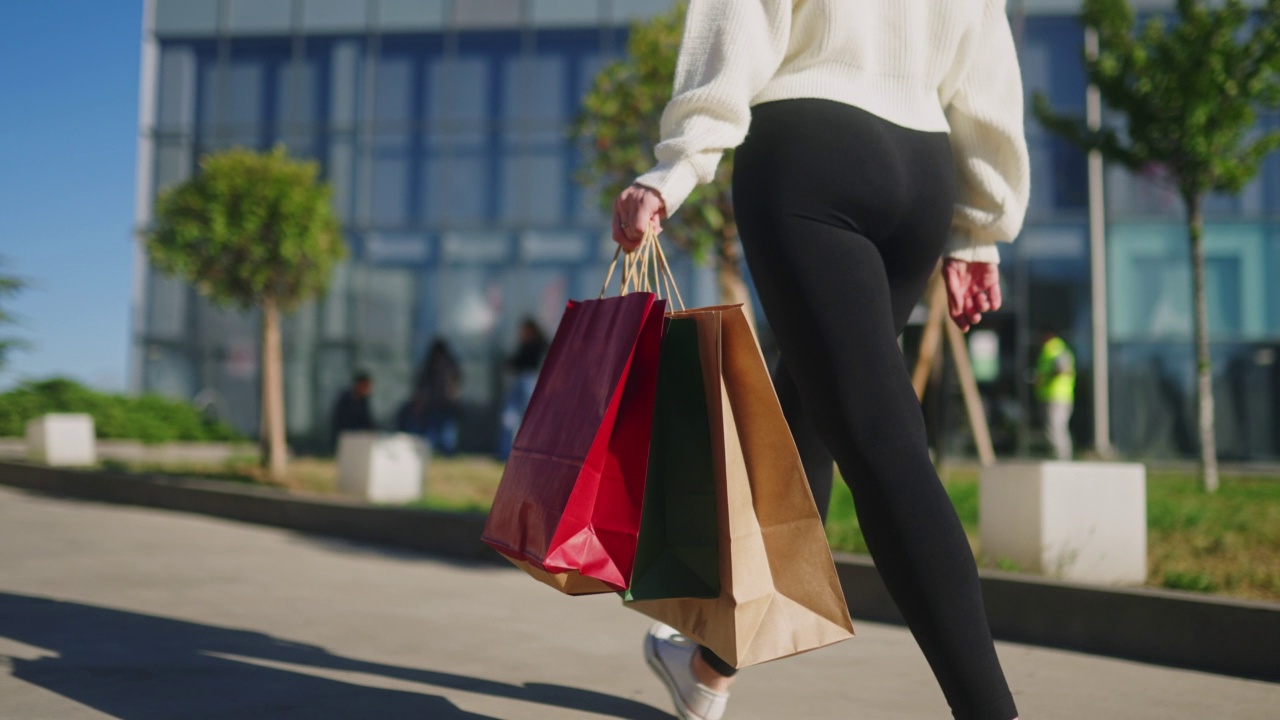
(644, 269)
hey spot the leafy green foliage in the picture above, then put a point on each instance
(247, 228)
(9, 286)
(149, 418)
(618, 127)
(1189, 91)
(844, 533)
(1196, 582)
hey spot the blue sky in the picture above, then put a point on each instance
(68, 134)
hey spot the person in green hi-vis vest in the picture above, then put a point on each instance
(1056, 390)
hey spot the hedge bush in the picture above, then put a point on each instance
(149, 418)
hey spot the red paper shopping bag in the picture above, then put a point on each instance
(568, 508)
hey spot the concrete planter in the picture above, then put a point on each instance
(62, 439)
(1079, 521)
(382, 467)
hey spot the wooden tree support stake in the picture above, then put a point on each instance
(935, 325)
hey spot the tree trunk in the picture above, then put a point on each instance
(272, 422)
(1204, 374)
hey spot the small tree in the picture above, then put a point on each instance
(252, 230)
(1188, 92)
(9, 286)
(618, 127)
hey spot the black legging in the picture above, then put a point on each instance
(843, 216)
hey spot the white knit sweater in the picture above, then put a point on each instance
(933, 65)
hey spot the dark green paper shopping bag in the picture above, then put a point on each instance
(677, 553)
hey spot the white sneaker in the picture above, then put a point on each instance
(670, 654)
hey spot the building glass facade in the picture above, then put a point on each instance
(441, 126)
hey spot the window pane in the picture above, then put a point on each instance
(391, 188)
(1271, 171)
(468, 319)
(534, 188)
(1223, 278)
(184, 17)
(167, 371)
(334, 15)
(256, 78)
(459, 100)
(487, 13)
(344, 85)
(261, 16)
(395, 92)
(301, 106)
(456, 189)
(1060, 179)
(177, 105)
(537, 292)
(1150, 281)
(588, 68)
(566, 12)
(535, 87)
(166, 307)
(174, 163)
(1147, 192)
(384, 301)
(245, 91)
(1050, 60)
(535, 97)
(401, 15)
(515, 188)
(208, 108)
(1273, 287)
(590, 209)
(340, 172)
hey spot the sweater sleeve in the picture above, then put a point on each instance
(985, 112)
(730, 50)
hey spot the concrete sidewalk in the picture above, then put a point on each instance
(110, 611)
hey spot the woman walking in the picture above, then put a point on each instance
(873, 138)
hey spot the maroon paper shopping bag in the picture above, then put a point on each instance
(568, 508)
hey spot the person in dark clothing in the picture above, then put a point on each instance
(524, 364)
(532, 346)
(432, 411)
(351, 411)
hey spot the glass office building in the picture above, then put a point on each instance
(441, 126)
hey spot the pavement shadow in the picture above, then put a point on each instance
(144, 667)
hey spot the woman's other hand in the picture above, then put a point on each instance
(636, 208)
(973, 288)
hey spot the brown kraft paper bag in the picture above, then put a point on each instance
(779, 594)
(569, 583)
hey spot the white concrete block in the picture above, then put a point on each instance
(1079, 521)
(382, 467)
(65, 439)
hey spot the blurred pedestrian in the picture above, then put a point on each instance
(1056, 391)
(351, 410)
(531, 348)
(433, 408)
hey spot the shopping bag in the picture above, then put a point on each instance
(567, 510)
(677, 552)
(779, 594)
